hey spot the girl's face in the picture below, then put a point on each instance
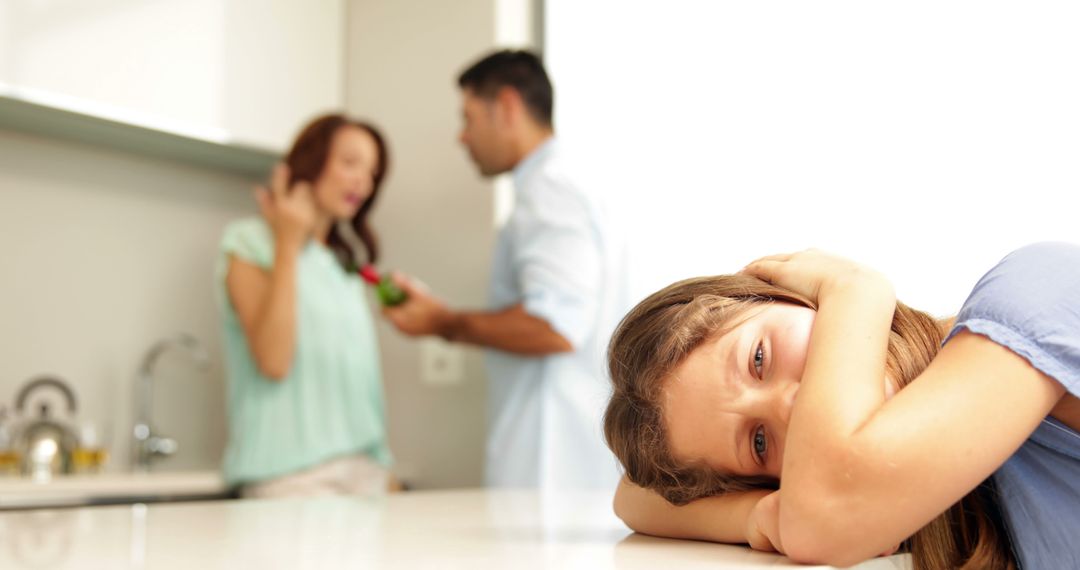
(347, 178)
(728, 404)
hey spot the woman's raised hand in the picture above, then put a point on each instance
(289, 211)
(810, 271)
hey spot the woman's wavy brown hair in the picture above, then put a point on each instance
(661, 331)
(306, 160)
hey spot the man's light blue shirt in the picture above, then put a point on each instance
(561, 255)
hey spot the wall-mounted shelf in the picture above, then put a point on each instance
(56, 116)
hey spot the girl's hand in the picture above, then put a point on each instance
(763, 525)
(891, 551)
(290, 212)
(810, 272)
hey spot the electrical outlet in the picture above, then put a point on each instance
(441, 363)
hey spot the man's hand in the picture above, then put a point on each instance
(421, 313)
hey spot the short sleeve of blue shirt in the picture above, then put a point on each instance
(1030, 303)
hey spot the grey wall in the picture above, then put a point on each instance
(102, 253)
(436, 217)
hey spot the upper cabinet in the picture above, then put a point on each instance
(241, 74)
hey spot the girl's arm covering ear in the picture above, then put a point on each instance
(861, 474)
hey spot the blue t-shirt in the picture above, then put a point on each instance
(1030, 303)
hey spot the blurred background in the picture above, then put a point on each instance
(926, 139)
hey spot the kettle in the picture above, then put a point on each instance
(45, 444)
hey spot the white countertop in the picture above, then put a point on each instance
(67, 490)
(469, 529)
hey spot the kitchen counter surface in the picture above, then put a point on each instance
(109, 488)
(472, 529)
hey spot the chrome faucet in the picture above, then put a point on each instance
(149, 445)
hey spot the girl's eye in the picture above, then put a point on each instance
(761, 444)
(759, 358)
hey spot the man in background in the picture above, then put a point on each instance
(556, 293)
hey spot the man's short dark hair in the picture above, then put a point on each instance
(518, 69)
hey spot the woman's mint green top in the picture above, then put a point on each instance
(331, 402)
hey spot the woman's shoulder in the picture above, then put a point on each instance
(255, 226)
(249, 238)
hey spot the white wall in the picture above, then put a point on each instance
(158, 60)
(250, 70)
(284, 62)
(924, 138)
(5, 40)
(435, 216)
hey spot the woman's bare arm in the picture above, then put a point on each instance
(265, 303)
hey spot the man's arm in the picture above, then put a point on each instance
(511, 329)
(557, 265)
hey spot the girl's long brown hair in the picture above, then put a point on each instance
(306, 160)
(661, 331)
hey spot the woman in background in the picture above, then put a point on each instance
(305, 398)
(799, 407)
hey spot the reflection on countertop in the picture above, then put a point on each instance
(111, 489)
(446, 529)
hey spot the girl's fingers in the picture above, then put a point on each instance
(779, 257)
(769, 262)
(758, 541)
(764, 269)
(775, 257)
